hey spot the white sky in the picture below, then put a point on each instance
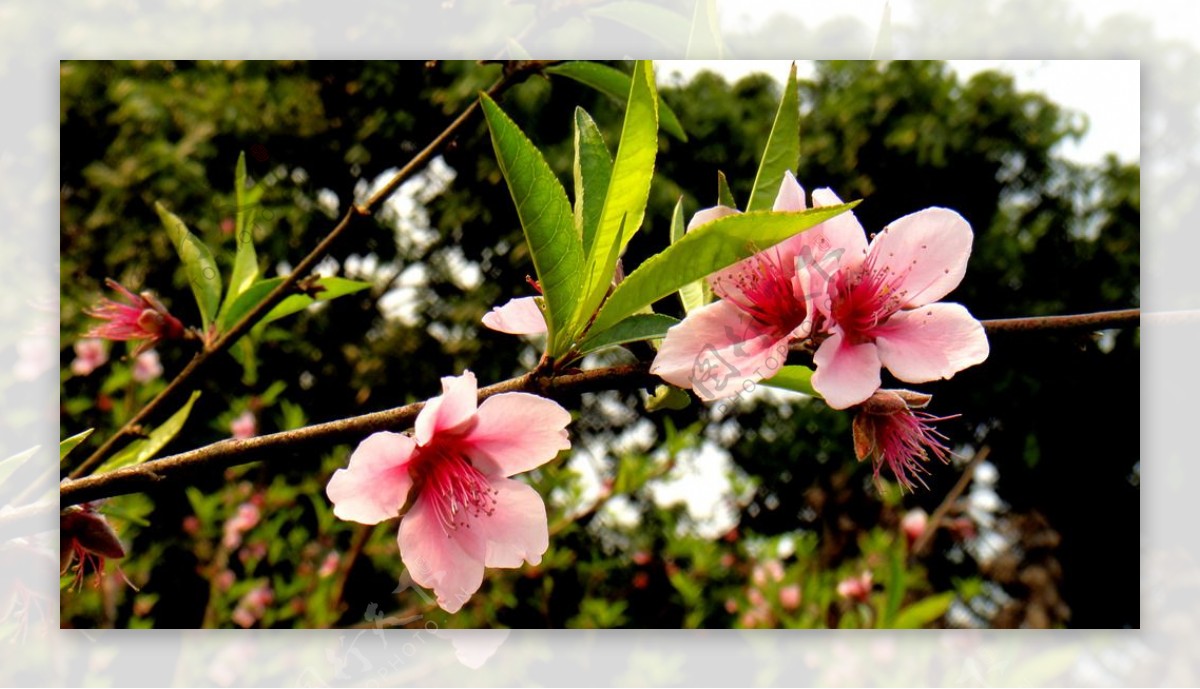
(1106, 91)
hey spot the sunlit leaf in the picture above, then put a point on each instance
(327, 288)
(198, 263)
(628, 190)
(616, 83)
(65, 447)
(923, 612)
(142, 450)
(725, 194)
(794, 378)
(783, 149)
(663, 25)
(593, 169)
(546, 219)
(245, 262)
(11, 464)
(703, 251)
(704, 40)
(697, 293)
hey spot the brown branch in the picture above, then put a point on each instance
(280, 446)
(1101, 320)
(512, 72)
(939, 514)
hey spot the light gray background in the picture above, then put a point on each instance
(34, 36)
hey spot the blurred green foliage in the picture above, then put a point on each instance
(1058, 412)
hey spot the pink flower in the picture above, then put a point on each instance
(879, 308)
(789, 596)
(888, 431)
(518, 317)
(464, 512)
(142, 318)
(913, 524)
(147, 367)
(856, 588)
(329, 565)
(89, 355)
(246, 518)
(251, 608)
(244, 426)
(764, 305)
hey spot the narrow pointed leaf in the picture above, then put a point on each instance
(666, 26)
(245, 261)
(142, 450)
(703, 251)
(694, 294)
(65, 447)
(640, 326)
(331, 288)
(725, 194)
(882, 50)
(794, 378)
(547, 220)
(704, 41)
(593, 169)
(10, 464)
(615, 83)
(923, 612)
(198, 263)
(628, 190)
(783, 149)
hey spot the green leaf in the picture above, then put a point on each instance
(668, 397)
(694, 294)
(703, 251)
(704, 41)
(247, 301)
(616, 83)
(141, 450)
(546, 219)
(640, 326)
(245, 261)
(924, 612)
(9, 465)
(65, 447)
(332, 288)
(593, 169)
(794, 378)
(783, 149)
(882, 50)
(725, 194)
(198, 263)
(663, 25)
(628, 191)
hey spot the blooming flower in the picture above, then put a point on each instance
(142, 318)
(463, 513)
(764, 305)
(888, 431)
(879, 309)
(244, 426)
(147, 366)
(856, 588)
(89, 356)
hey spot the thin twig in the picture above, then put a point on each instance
(1101, 320)
(939, 514)
(281, 446)
(361, 535)
(229, 337)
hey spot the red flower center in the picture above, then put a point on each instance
(763, 290)
(864, 297)
(455, 489)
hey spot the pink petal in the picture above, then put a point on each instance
(456, 405)
(820, 251)
(516, 432)
(846, 374)
(931, 342)
(450, 565)
(791, 195)
(930, 248)
(717, 350)
(516, 532)
(707, 215)
(375, 485)
(517, 317)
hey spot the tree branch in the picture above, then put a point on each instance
(513, 72)
(276, 446)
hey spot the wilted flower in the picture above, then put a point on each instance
(461, 512)
(244, 426)
(889, 431)
(147, 367)
(856, 588)
(85, 536)
(89, 355)
(143, 317)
